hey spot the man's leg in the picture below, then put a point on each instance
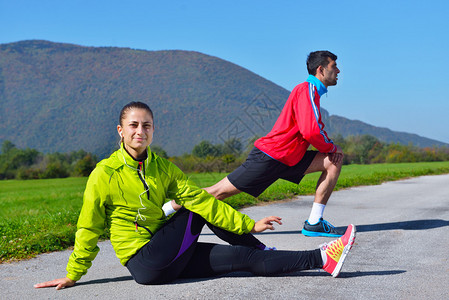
(252, 177)
(222, 189)
(330, 171)
(328, 179)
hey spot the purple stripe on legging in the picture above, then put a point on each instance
(189, 238)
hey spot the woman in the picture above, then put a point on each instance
(126, 192)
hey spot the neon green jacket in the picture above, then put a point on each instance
(116, 197)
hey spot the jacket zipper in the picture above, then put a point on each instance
(139, 173)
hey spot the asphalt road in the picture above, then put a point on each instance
(401, 252)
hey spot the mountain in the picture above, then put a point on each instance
(346, 127)
(64, 97)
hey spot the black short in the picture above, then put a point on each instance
(259, 171)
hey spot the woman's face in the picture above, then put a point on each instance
(137, 131)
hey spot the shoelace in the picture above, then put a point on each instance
(334, 249)
(327, 226)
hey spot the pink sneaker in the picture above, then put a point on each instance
(336, 251)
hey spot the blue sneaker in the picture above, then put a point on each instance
(322, 228)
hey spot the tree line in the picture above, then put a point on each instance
(367, 149)
(28, 163)
(362, 149)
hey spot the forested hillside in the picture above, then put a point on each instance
(63, 97)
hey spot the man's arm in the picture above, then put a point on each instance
(308, 116)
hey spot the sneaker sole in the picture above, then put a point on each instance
(314, 233)
(346, 249)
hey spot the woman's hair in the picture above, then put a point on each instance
(132, 105)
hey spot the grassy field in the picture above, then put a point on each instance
(38, 216)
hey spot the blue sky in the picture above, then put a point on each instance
(393, 55)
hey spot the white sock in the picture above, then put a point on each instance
(316, 213)
(323, 256)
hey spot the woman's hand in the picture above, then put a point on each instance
(266, 223)
(58, 283)
(175, 205)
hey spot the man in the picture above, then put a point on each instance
(282, 153)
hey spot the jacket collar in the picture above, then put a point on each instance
(321, 89)
(129, 161)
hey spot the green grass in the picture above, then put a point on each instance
(39, 216)
(34, 198)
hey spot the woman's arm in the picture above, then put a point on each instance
(216, 212)
(90, 227)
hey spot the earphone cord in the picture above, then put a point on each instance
(138, 215)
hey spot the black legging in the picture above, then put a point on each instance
(174, 252)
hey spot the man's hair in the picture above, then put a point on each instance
(318, 58)
(133, 105)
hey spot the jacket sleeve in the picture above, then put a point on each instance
(91, 224)
(308, 115)
(197, 200)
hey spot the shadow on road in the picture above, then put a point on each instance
(310, 273)
(370, 273)
(105, 280)
(404, 225)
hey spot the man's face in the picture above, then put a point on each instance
(330, 73)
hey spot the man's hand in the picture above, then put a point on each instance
(337, 157)
(58, 283)
(266, 223)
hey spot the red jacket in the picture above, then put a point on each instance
(298, 126)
